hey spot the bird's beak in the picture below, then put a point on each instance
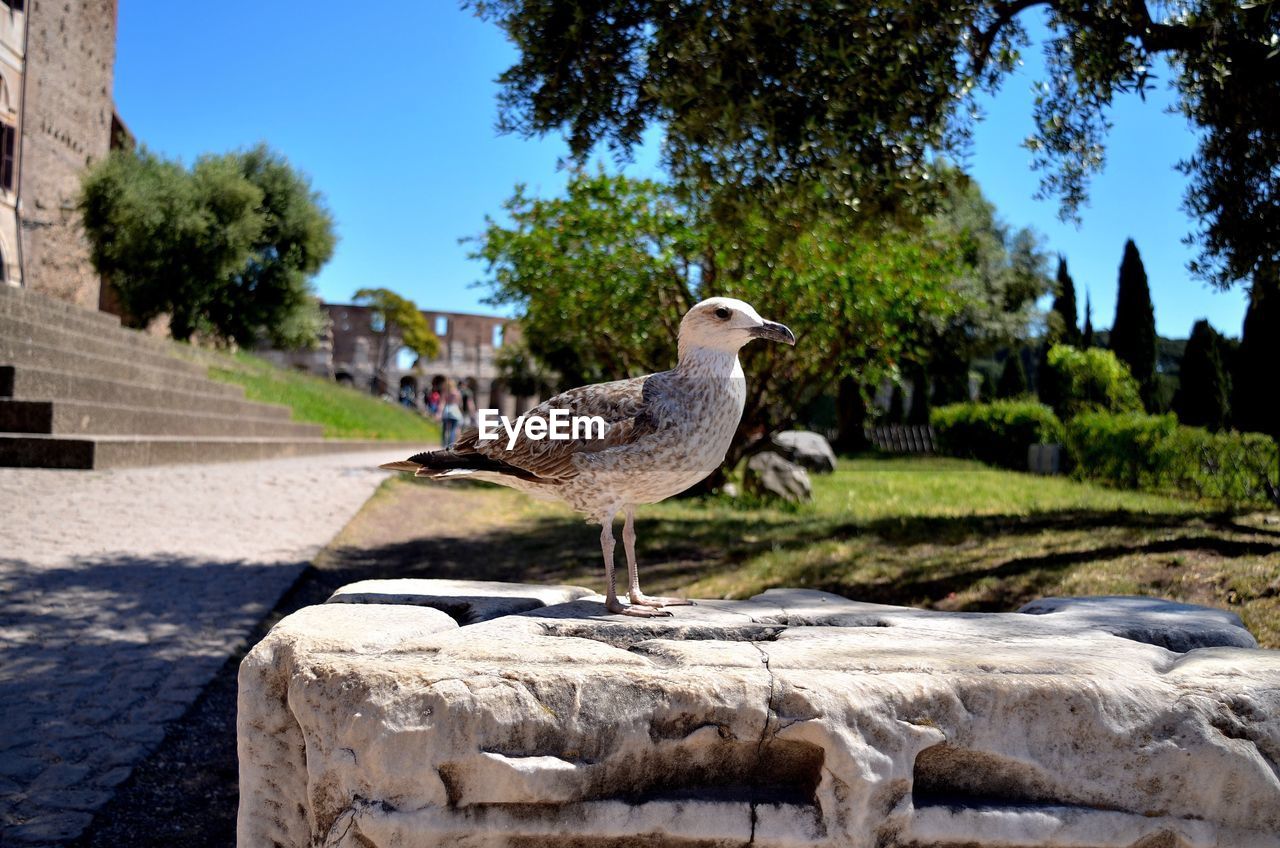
(774, 332)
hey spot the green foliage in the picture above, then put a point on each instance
(402, 325)
(1255, 402)
(524, 373)
(1204, 392)
(602, 276)
(1002, 275)
(998, 433)
(1133, 338)
(1062, 316)
(859, 97)
(1154, 453)
(1013, 378)
(346, 413)
(226, 248)
(1092, 380)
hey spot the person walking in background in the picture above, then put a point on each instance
(450, 412)
(468, 406)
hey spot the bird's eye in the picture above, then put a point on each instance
(722, 313)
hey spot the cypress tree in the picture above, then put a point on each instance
(1086, 338)
(1203, 397)
(988, 391)
(1133, 337)
(1255, 403)
(1013, 379)
(1064, 306)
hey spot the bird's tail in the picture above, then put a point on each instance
(446, 463)
(402, 465)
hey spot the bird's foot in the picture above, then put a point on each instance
(641, 599)
(615, 606)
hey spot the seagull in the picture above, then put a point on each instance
(663, 433)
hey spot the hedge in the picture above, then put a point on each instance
(998, 433)
(1155, 453)
(1127, 450)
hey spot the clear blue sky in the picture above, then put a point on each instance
(391, 112)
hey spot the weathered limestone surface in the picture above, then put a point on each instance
(795, 718)
(467, 601)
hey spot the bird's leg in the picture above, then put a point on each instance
(611, 602)
(629, 545)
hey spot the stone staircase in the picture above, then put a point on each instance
(78, 390)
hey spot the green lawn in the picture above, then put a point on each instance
(946, 534)
(345, 413)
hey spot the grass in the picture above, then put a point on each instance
(944, 534)
(344, 412)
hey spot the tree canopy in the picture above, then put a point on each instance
(603, 274)
(1255, 403)
(1001, 275)
(1203, 398)
(226, 248)
(858, 97)
(398, 323)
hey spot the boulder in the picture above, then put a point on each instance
(808, 449)
(793, 718)
(768, 474)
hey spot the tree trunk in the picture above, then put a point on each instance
(851, 414)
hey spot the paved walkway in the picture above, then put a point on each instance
(121, 594)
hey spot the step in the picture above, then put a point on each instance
(75, 418)
(36, 312)
(53, 306)
(87, 324)
(127, 348)
(25, 450)
(33, 353)
(30, 383)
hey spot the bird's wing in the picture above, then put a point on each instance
(628, 409)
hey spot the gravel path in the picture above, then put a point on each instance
(121, 594)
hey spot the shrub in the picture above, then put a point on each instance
(1153, 452)
(1092, 380)
(1118, 449)
(998, 433)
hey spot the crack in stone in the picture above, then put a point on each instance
(357, 805)
(764, 733)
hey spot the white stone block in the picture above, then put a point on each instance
(795, 718)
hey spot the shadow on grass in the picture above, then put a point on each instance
(680, 551)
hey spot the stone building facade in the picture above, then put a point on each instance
(469, 346)
(56, 117)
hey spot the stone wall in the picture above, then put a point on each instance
(13, 26)
(70, 55)
(469, 346)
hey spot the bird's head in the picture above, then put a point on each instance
(726, 324)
